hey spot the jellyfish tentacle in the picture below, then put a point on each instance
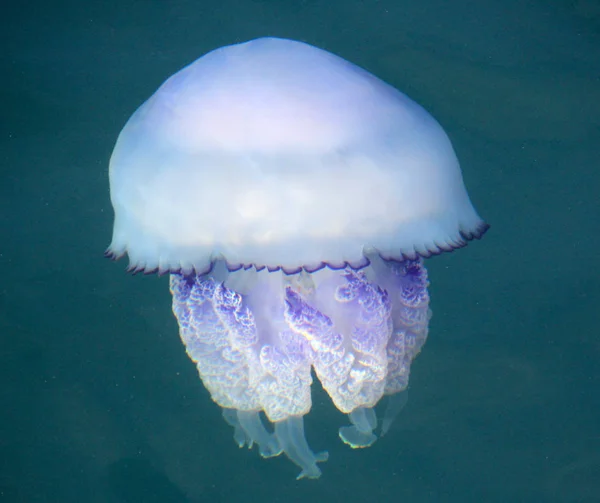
(290, 433)
(251, 423)
(360, 331)
(395, 404)
(360, 434)
(239, 434)
(221, 365)
(407, 284)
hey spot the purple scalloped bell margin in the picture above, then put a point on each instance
(477, 233)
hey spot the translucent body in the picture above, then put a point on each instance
(359, 331)
(293, 197)
(276, 153)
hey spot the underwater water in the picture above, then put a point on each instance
(101, 403)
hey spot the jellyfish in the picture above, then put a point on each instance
(293, 198)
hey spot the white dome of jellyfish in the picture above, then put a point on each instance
(292, 197)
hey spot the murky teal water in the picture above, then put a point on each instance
(100, 402)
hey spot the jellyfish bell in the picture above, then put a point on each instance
(276, 153)
(293, 197)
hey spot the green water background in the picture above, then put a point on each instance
(99, 401)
